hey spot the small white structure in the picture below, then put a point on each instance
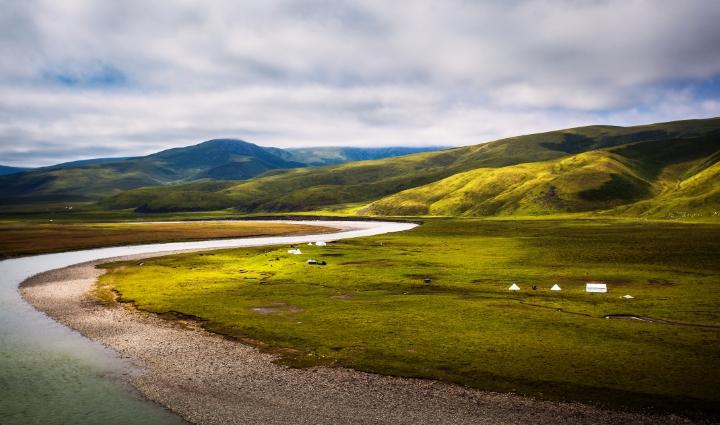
(295, 251)
(320, 243)
(310, 243)
(555, 287)
(596, 287)
(628, 297)
(514, 287)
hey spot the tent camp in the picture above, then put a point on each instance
(514, 287)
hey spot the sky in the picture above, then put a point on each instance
(83, 79)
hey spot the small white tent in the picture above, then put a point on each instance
(628, 297)
(556, 287)
(595, 287)
(294, 251)
(514, 287)
(320, 243)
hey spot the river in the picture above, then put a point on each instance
(50, 374)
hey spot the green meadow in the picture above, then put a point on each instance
(371, 307)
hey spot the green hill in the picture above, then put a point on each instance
(337, 154)
(475, 176)
(5, 170)
(221, 159)
(653, 172)
(94, 179)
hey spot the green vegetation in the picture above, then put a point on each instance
(586, 169)
(337, 154)
(369, 308)
(215, 160)
(95, 179)
(18, 239)
(651, 171)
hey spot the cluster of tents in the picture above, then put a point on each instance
(297, 251)
(515, 287)
(591, 287)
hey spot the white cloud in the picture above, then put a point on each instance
(300, 73)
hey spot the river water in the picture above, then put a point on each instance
(50, 374)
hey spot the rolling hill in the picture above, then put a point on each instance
(89, 180)
(337, 154)
(220, 159)
(573, 170)
(5, 170)
(591, 181)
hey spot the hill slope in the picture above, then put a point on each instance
(337, 154)
(88, 180)
(220, 159)
(362, 182)
(5, 170)
(652, 171)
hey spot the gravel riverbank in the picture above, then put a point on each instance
(208, 379)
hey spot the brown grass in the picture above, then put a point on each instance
(28, 239)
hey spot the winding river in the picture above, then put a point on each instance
(50, 374)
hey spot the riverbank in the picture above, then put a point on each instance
(208, 379)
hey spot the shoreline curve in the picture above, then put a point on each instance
(208, 379)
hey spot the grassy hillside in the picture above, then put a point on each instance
(222, 159)
(5, 170)
(337, 154)
(653, 172)
(367, 181)
(89, 180)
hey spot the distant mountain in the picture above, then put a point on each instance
(94, 179)
(85, 162)
(338, 154)
(5, 170)
(590, 168)
(219, 159)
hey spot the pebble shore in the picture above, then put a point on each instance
(208, 379)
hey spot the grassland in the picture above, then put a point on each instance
(17, 239)
(369, 308)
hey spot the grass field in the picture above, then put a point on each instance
(18, 238)
(369, 308)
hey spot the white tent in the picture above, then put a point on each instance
(320, 243)
(310, 243)
(628, 297)
(556, 287)
(595, 287)
(294, 251)
(514, 287)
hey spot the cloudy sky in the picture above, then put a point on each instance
(82, 79)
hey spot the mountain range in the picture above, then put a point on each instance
(659, 170)
(219, 159)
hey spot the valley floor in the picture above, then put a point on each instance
(433, 302)
(209, 379)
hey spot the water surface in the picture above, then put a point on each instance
(50, 374)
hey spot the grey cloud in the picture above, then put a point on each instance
(320, 72)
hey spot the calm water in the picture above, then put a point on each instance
(50, 374)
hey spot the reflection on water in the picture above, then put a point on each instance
(52, 375)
